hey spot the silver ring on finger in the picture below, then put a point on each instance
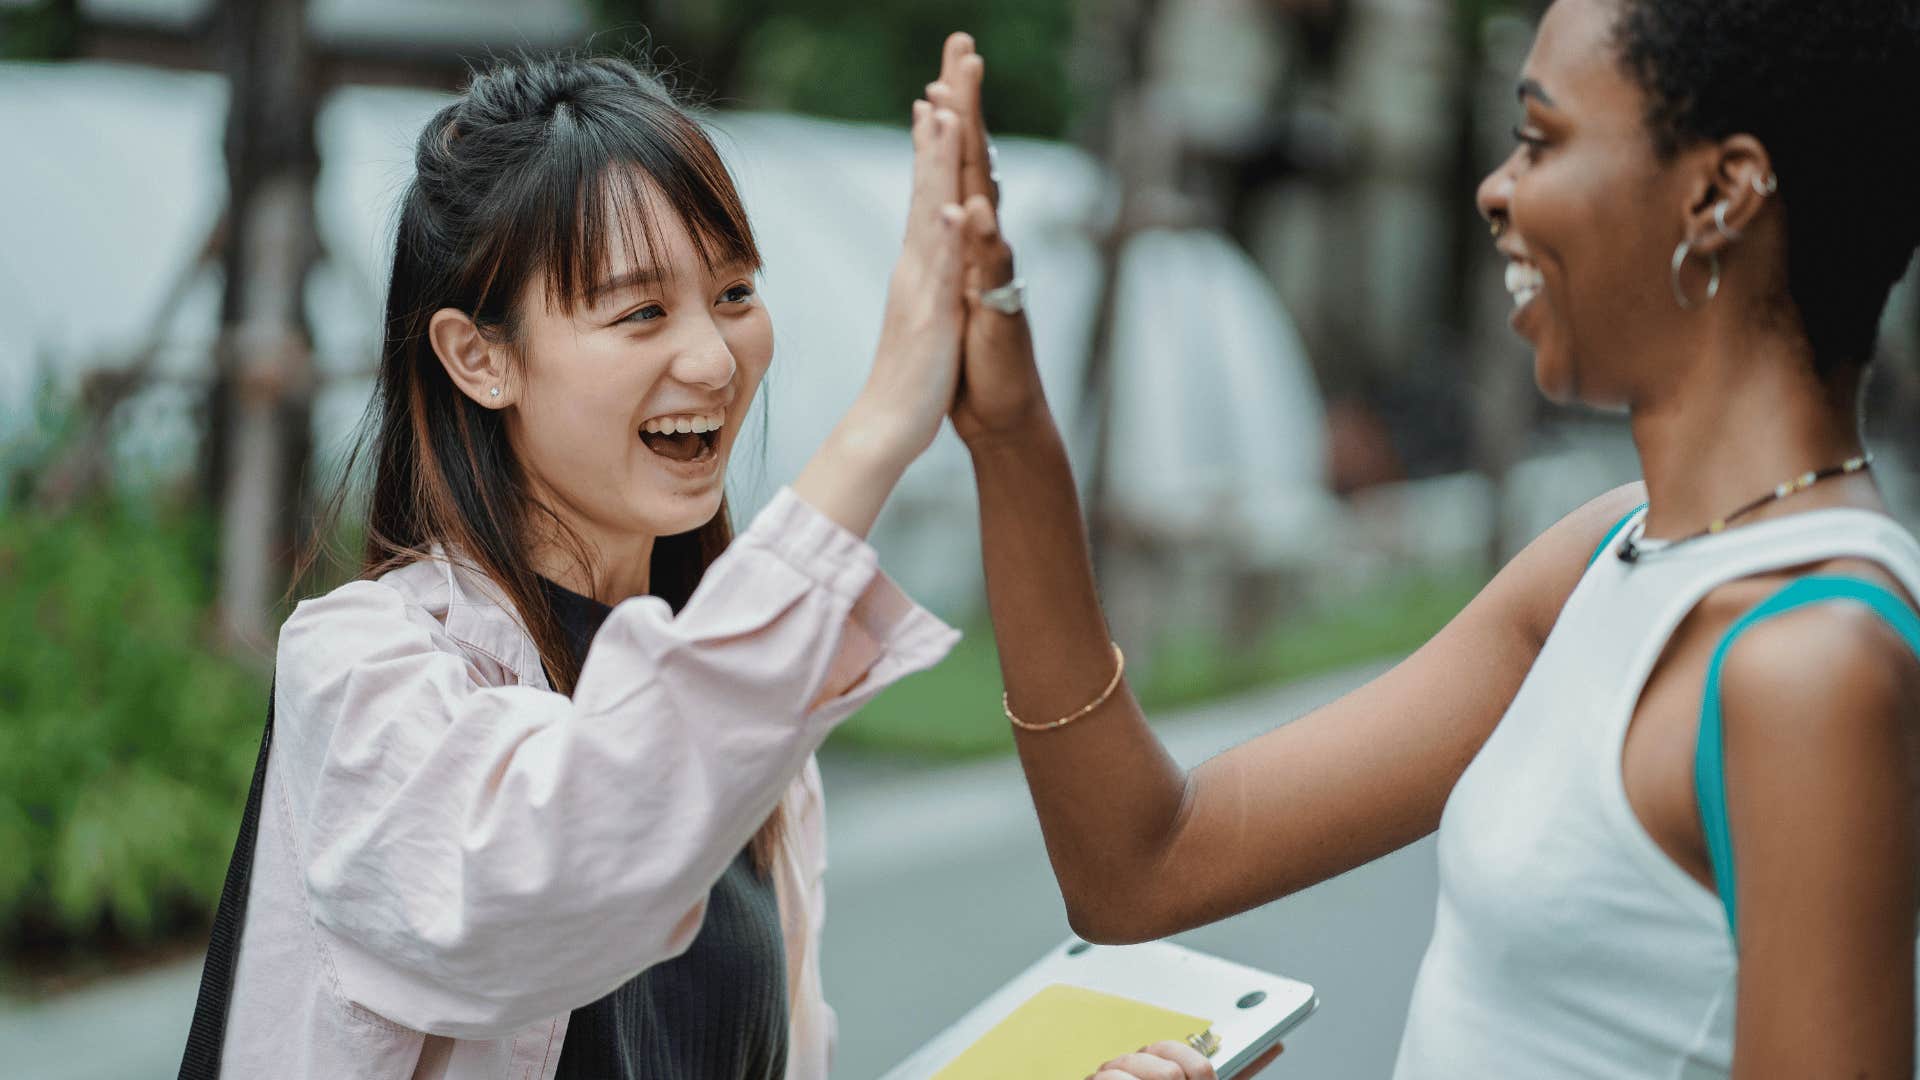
(993, 165)
(1008, 299)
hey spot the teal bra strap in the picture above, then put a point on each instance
(1613, 532)
(1709, 763)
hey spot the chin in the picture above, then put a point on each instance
(673, 514)
(1554, 377)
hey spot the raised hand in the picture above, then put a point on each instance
(916, 368)
(917, 364)
(999, 389)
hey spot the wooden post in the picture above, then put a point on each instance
(260, 401)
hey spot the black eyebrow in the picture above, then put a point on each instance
(640, 277)
(1531, 88)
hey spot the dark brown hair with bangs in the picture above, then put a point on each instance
(536, 172)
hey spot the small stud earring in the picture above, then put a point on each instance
(1767, 185)
(495, 392)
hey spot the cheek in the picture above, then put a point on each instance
(750, 340)
(581, 394)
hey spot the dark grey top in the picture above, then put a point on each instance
(717, 1011)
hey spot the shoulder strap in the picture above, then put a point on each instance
(208, 1033)
(1613, 532)
(1709, 763)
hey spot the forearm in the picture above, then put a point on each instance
(1107, 793)
(851, 476)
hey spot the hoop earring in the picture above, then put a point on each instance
(1720, 222)
(1680, 260)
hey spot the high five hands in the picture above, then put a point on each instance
(998, 397)
(999, 388)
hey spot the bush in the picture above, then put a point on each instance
(126, 741)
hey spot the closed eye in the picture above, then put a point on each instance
(1534, 144)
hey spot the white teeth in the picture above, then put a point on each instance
(683, 425)
(1524, 281)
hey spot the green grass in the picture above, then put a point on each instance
(953, 711)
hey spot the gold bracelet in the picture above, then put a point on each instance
(1120, 669)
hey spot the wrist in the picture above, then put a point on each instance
(1035, 433)
(875, 436)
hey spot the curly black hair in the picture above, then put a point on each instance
(1831, 88)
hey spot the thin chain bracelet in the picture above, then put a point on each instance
(1120, 669)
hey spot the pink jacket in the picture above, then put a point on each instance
(452, 857)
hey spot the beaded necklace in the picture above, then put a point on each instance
(1632, 550)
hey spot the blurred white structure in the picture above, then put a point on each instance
(1218, 433)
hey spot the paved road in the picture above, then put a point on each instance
(939, 891)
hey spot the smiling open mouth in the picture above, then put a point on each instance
(682, 438)
(1524, 282)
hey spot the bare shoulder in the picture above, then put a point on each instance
(1801, 681)
(1537, 582)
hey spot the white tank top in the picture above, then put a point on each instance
(1566, 943)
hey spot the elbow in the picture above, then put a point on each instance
(1111, 920)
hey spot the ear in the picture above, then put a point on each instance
(477, 366)
(1738, 175)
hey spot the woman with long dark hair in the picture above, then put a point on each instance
(1672, 751)
(541, 799)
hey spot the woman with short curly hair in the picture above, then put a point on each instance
(1672, 751)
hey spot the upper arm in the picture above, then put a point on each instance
(1370, 772)
(1820, 708)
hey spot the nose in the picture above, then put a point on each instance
(1495, 195)
(704, 360)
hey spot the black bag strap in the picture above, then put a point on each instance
(204, 1040)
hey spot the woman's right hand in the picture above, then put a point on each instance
(916, 368)
(1174, 1061)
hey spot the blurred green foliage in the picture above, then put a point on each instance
(38, 30)
(953, 710)
(855, 59)
(126, 742)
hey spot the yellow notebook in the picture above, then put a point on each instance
(1066, 1032)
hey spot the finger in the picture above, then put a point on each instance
(961, 93)
(1146, 1067)
(949, 261)
(989, 259)
(935, 168)
(1193, 1064)
(979, 166)
(957, 46)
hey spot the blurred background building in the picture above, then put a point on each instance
(1267, 313)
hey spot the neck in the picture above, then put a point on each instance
(1746, 415)
(619, 565)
